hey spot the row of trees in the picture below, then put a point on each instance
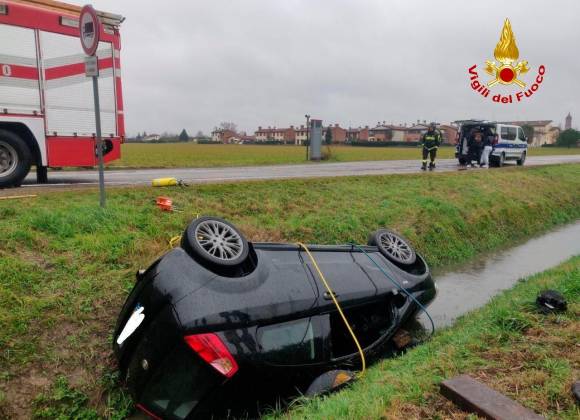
(568, 138)
(166, 136)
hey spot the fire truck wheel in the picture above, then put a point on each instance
(15, 159)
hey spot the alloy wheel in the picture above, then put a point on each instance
(397, 248)
(219, 240)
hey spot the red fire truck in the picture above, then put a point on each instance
(47, 114)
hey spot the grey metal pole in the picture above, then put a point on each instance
(307, 134)
(99, 141)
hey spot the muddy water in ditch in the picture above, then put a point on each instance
(474, 284)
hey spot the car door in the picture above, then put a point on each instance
(521, 141)
(507, 142)
(372, 323)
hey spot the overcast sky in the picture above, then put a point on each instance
(193, 64)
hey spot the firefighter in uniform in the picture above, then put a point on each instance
(430, 142)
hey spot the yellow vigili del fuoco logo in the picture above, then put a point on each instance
(506, 70)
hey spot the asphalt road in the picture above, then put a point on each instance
(309, 170)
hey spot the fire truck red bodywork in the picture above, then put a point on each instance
(60, 121)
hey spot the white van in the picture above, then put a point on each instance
(508, 142)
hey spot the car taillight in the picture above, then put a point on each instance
(457, 138)
(495, 139)
(211, 349)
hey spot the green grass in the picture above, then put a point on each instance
(507, 344)
(66, 266)
(182, 155)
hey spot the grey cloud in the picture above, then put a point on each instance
(195, 63)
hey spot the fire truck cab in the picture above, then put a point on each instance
(47, 114)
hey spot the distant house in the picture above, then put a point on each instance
(246, 139)
(151, 137)
(220, 135)
(282, 135)
(357, 134)
(387, 132)
(339, 134)
(241, 138)
(415, 132)
(448, 133)
(300, 135)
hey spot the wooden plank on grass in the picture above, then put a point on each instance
(473, 396)
(14, 197)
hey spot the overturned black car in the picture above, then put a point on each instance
(223, 314)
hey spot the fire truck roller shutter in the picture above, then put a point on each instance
(69, 93)
(19, 86)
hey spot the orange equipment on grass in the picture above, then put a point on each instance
(164, 203)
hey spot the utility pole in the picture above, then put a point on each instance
(307, 134)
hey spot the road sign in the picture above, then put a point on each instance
(91, 66)
(90, 29)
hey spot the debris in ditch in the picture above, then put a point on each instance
(403, 339)
(166, 204)
(550, 301)
(330, 381)
(475, 397)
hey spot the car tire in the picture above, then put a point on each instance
(393, 246)
(521, 160)
(15, 159)
(215, 241)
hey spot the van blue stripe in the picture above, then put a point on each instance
(510, 146)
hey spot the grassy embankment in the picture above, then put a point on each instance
(182, 155)
(66, 266)
(507, 344)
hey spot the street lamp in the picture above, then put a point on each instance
(307, 133)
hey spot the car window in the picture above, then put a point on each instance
(369, 323)
(174, 388)
(508, 133)
(521, 134)
(289, 342)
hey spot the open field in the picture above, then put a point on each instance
(66, 266)
(190, 155)
(507, 344)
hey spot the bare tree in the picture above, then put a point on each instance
(229, 126)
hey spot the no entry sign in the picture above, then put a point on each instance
(90, 30)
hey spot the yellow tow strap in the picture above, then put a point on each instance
(358, 346)
(174, 241)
